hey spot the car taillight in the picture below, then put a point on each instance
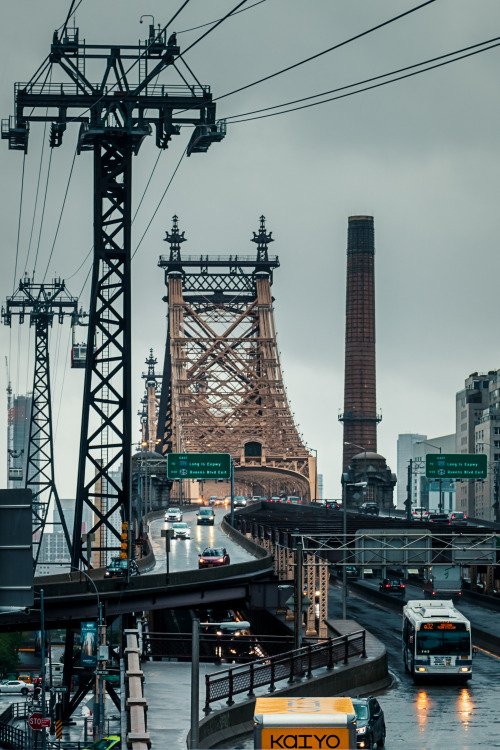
(388, 585)
(402, 585)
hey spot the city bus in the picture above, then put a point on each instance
(436, 640)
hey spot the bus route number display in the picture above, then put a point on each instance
(443, 625)
(198, 465)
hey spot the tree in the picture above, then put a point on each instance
(9, 657)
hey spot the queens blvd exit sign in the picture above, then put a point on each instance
(198, 465)
(456, 466)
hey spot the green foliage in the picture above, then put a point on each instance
(9, 657)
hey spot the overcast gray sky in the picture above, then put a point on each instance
(421, 155)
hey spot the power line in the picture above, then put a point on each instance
(366, 80)
(324, 52)
(201, 26)
(159, 203)
(369, 88)
(19, 225)
(61, 214)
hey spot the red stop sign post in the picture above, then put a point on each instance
(38, 722)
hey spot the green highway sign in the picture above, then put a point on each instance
(456, 466)
(198, 465)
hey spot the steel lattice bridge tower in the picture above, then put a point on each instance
(114, 116)
(41, 303)
(222, 386)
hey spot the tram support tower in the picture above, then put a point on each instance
(222, 386)
(41, 303)
(114, 115)
(360, 416)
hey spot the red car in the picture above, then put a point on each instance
(212, 557)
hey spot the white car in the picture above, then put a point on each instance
(181, 531)
(173, 514)
(420, 514)
(16, 686)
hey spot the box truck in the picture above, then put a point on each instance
(442, 582)
(300, 723)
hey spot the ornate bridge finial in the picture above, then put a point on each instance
(262, 239)
(175, 239)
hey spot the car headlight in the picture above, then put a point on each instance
(464, 669)
(361, 730)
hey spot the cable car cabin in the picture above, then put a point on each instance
(16, 474)
(78, 355)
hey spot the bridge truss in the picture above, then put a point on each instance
(222, 386)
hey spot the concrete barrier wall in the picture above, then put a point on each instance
(364, 676)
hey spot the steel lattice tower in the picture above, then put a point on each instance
(360, 416)
(115, 115)
(222, 388)
(42, 302)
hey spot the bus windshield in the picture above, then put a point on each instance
(443, 642)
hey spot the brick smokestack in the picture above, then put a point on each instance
(360, 410)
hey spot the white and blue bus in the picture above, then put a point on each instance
(436, 640)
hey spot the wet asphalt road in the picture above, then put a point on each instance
(433, 716)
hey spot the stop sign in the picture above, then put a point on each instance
(37, 721)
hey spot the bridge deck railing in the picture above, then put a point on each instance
(289, 666)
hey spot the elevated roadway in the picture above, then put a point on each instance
(70, 598)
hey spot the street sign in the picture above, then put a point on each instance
(198, 465)
(61, 689)
(38, 722)
(456, 466)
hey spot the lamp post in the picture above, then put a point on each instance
(362, 448)
(344, 556)
(101, 641)
(425, 442)
(151, 477)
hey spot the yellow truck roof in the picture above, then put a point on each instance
(304, 706)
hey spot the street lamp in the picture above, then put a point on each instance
(361, 447)
(344, 556)
(101, 632)
(425, 442)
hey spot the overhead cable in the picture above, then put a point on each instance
(366, 80)
(324, 52)
(374, 86)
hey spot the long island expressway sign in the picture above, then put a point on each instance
(198, 465)
(456, 466)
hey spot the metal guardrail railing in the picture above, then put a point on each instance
(215, 647)
(295, 664)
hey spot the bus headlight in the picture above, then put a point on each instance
(464, 669)
(421, 669)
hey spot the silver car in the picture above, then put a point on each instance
(16, 686)
(181, 531)
(173, 514)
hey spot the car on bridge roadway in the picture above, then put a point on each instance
(240, 501)
(213, 557)
(173, 514)
(371, 508)
(118, 568)
(181, 531)
(420, 514)
(392, 586)
(370, 723)
(438, 518)
(458, 518)
(205, 516)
